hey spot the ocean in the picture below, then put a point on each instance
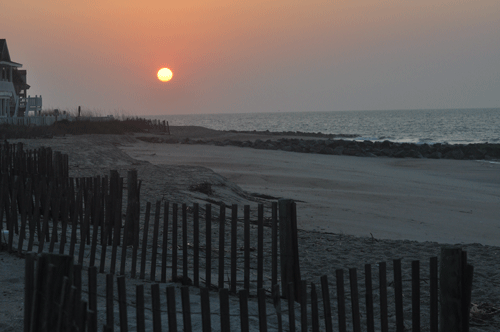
(453, 126)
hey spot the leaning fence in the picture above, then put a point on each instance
(57, 284)
(85, 220)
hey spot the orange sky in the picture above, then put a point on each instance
(257, 56)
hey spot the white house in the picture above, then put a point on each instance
(14, 102)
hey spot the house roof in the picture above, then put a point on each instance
(19, 79)
(5, 56)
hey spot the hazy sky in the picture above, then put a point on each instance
(257, 56)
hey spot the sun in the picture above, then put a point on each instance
(164, 74)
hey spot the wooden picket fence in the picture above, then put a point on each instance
(76, 309)
(86, 221)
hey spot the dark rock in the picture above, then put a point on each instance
(350, 152)
(414, 154)
(435, 155)
(338, 150)
(454, 154)
(386, 152)
(326, 150)
(400, 154)
(386, 144)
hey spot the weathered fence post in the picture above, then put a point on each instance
(289, 249)
(455, 280)
(132, 200)
(48, 290)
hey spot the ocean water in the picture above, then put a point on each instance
(453, 126)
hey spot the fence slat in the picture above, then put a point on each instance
(83, 314)
(74, 222)
(353, 280)
(23, 202)
(172, 312)
(156, 309)
(104, 211)
(186, 309)
(116, 218)
(184, 243)
(205, 310)
(261, 294)
(234, 239)
(56, 204)
(291, 306)
(164, 243)
(224, 310)
(64, 218)
(62, 306)
(326, 304)
(260, 246)
(29, 288)
(139, 307)
(92, 281)
(156, 229)
(96, 213)
(398, 293)
(384, 320)
(35, 216)
(370, 322)
(303, 305)
(415, 296)
(12, 225)
(104, 234)
(222, 236)
(277, 305)
(3, 197)
(84, 233)
(110, 320)
(274, 245)
(45, 227)
(122, 300)
(127, 231)
(70, 309)
(145, 241)
(174, 240)
(246, 240)
(339, 274)
(314, 309)
(196, 244)
(433, 285)
(208, 246)
(244, 323)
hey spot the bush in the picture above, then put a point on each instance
(116, 127)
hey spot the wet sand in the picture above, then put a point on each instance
(446, 201)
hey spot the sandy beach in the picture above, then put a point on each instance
(445, 201)
(351, 211)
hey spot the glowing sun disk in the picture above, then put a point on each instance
(164, 74)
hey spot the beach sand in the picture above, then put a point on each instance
(351, 211)
(446, 201)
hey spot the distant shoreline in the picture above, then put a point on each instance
(454, 126)
(332, 144)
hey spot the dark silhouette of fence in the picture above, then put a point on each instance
(73, 307)
(84, 220)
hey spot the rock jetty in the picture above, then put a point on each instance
(331, 146)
